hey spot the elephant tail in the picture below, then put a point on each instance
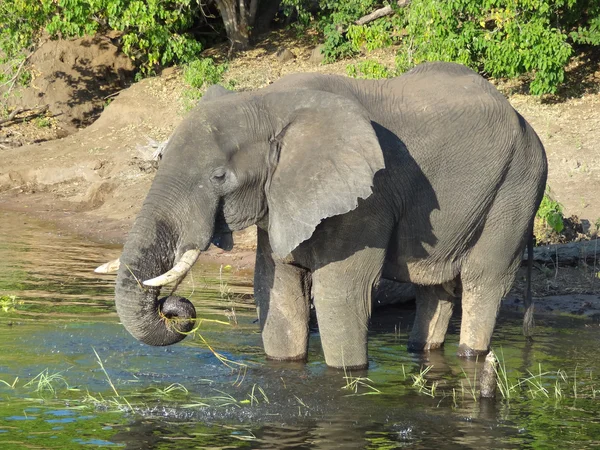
(528, 323)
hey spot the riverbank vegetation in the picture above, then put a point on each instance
(499, 38)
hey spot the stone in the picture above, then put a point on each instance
(316, 56)
(284, 55)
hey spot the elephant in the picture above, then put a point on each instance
(430, 178)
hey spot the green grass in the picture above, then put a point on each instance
(421, 384)
(9, 303)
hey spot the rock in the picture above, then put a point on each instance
(316, 56)
(284, 55)
(487, 379)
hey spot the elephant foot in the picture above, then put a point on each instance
(464, 351)
(347, 368)
(302, 358)
(419, 347)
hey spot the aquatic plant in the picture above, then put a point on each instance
(9, 303)
(46, 382)
(421, 384)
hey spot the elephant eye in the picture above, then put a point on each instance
(218, 176)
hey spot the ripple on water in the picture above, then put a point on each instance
(183, 396)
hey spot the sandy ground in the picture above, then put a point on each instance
(93, 181)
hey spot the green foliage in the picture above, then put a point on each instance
(9, 303)
(199, 74)
(153, 33)
(202, 72)
(503, 38)
(368, 69)
(551, 213)
(500, 38)
(336, 21)
(380, 33)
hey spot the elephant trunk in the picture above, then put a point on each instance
(154, 246)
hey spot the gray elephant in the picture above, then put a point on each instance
(430, 178)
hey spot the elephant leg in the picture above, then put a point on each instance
(483, 290)
(342, 296)
(282, 294)
(487, 276)
(434, 310)
(480, 304)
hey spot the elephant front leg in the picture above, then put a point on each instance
(434, 310)
(342, 297)
(282, 294)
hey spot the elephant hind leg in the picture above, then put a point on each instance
(434, 310)
(488, 273)
(481, 299)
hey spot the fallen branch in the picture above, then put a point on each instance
(11, 116)
(381, 12)
(566, 254)
(33, 112)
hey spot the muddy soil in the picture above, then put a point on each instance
(92, 180)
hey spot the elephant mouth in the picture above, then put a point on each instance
(222, 237)
(223, 240)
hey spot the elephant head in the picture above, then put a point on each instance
(286, 159)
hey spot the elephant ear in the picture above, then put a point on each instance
(215, 91)
(322, 162)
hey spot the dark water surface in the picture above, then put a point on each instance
(55, 393)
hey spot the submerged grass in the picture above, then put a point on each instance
(46, 382)
(421, 384)
(512, 386)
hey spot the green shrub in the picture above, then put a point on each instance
(380, 33)
(203, 71)
(335, 20)
(503, 38)
(499, 38)
(154, 32)
(198, 74)
(368, 69)
(551, 213)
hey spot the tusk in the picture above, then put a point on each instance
(178, 271)
(109, 267)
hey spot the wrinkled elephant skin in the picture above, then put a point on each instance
(431, 178)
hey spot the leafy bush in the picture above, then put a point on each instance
(500, 38)
(368, 69)
(199, 74)
(203, 71)
(370, 37)
(503, 38)
(154, 32)
(335, 20)
(550, 213)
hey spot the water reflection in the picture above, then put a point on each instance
(183, 397)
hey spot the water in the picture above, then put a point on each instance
(183, 396)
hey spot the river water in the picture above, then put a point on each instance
(71, 376)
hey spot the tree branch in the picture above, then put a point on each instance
(13, 80)
(381, 12)
(34, 112)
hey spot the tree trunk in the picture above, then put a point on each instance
(266, 12)
(238, 19)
